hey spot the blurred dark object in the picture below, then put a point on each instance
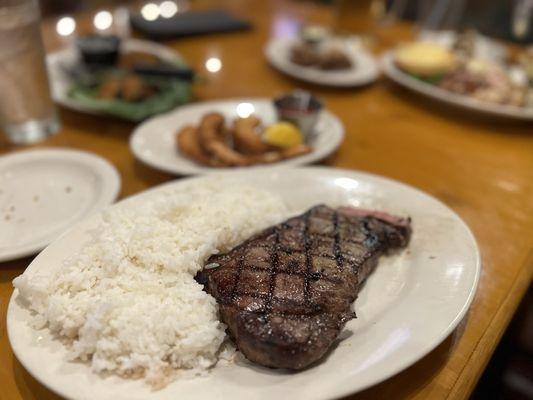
(164, 70)
(59, 7)
(508, 20)
(501, 19)
(101, 53)
(509, 374)
(99, 50)
(189, 24)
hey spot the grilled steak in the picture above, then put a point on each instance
(286, 293)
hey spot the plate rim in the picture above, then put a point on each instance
(110, 176)
(194, 170)
(359, 52)
(344, 389)
(444, 96)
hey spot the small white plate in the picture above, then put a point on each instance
(44, 192)
(154, 141)
(409, 305)
(397, 75)
(365, 69)
(60, 82)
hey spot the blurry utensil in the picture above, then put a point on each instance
(164, 70)
(91, 76)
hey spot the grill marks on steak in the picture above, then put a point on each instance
(286, 293)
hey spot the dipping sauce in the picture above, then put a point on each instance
(300, 108)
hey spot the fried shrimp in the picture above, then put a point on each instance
(279, 155)
(212, 144)
(246, 139)
(211, 128)
(296, 151)
(212, 139)
(268, 157)
(188, 144)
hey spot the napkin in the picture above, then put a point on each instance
(189, 24)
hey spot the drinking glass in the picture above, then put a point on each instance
(521, 18)
(27, 113)
(358, 17)
(434, 15)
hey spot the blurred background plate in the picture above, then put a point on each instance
(61, 82)
(154, 141)
(485, 48)
(364, 70)
(397, 75)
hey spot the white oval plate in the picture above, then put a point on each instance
(44, 192)
(154, 141)
(60, 82)
(364, 71)
(397, 75)
(407, 307)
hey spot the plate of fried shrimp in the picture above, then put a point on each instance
(212, 136)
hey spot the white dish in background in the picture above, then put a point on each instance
(397, 75)
(407, 307)
(365, 69)
(44, 192)
(60, 82)
(154, 141)
(485, 47)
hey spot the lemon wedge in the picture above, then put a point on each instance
(283, 134)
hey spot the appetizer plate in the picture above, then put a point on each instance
(407, 307)
(485, 47)
(365, 69)
(60, 81)
(154, 141)
(397, 75)
(44, 192)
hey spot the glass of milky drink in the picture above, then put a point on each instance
(27, 114)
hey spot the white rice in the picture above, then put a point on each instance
(128, 303)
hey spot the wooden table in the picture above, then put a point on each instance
(482, 168)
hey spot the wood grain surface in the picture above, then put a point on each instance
(481, 167)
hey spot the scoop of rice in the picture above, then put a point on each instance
(128, 303)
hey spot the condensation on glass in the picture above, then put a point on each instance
(27, 113)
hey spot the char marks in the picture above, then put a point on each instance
(286, 293)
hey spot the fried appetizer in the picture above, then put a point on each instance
(245, 137)
(189, 145)
(211, 144)
(212, 139)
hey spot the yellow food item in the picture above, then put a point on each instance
(283, 134)
(425, 59)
